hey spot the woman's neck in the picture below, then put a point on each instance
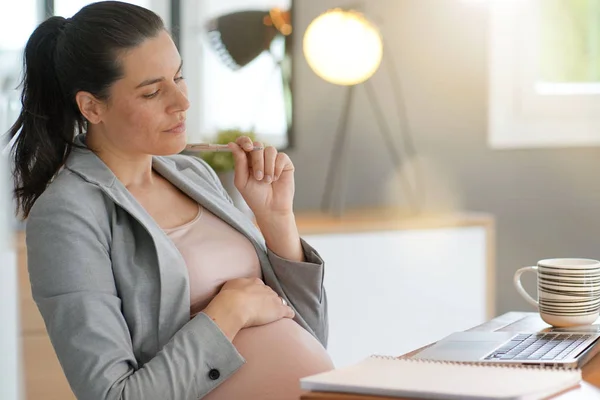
(133, 170)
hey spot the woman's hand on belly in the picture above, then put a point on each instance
(246, 302)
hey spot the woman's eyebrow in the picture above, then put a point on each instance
(156, 80)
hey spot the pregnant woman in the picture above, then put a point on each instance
(152, 285)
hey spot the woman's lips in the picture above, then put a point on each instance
(178, 129)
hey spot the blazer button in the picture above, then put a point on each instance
(214, 374)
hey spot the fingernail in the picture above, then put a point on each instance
(248, 146)
(259, 175)
(268, 179)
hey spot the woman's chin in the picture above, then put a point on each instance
(172, 145)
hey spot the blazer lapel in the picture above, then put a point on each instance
(174, 285)
(174, 298)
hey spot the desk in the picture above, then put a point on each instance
(509, 322)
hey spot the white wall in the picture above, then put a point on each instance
(9, 345)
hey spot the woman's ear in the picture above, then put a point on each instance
(90, 107)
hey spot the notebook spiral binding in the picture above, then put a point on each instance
(478, 364)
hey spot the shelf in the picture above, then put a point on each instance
(382, 219)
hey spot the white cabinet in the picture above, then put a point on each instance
(396, 284)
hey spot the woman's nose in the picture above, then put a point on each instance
(180, 101)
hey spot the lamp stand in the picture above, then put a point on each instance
(337, 151)
(338, 159)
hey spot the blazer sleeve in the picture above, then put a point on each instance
(73, 285)
(302, 282)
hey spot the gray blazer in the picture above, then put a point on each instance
(114, 293)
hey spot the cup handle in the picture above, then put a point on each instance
(519, 286)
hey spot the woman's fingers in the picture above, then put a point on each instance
(245, 143)
(241, 171)
(269, 163)
(264, 165)
(257, 161)
(289, 313)
(282, 162)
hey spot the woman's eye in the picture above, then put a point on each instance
(151, 95)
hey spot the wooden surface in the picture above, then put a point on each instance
(43, 376)
(509, 322)
(379, 219)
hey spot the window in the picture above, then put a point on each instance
(255, 97)
(544, 73)
(14, 33)
(569, 47)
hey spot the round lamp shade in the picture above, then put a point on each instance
(343, 47)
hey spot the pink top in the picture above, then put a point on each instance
(277, 354)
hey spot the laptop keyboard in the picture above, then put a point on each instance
(539, 346)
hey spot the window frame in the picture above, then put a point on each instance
(520, 114)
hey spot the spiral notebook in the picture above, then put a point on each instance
(416, 378)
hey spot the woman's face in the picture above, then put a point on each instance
(146, 110)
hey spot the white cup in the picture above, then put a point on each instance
(568, 290)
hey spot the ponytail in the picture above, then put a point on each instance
(46, 126)
(63, 57)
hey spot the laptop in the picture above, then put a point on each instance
(553, 348)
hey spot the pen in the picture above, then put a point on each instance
(212, 147)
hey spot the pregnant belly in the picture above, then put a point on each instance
(277, 356)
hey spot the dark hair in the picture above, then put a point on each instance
(63, 57)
